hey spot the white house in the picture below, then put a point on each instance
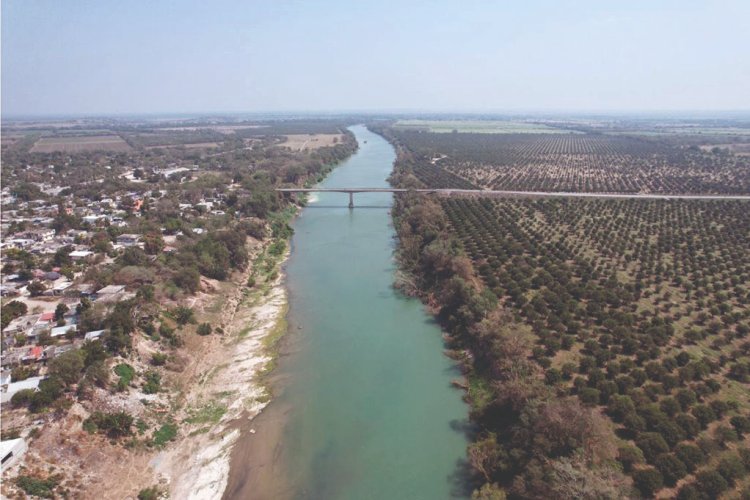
(93, 335)
(10, 451)
(14, 387)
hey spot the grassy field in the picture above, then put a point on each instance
(477, 127)
(81, 144)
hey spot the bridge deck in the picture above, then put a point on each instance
(511, 194)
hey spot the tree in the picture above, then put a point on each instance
(648, 481)
(36, 288)
(67, 366)
(11, 311)
(741, 424)
(153, 243)
(731, 468)
(711, 483)
(672, 469)
(629, 456)
(652, 445)
(488, 491)
(690, 455)
(60, 311)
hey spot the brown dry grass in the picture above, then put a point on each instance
(300, 142)
(81, 144)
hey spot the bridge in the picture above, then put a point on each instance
(489, 193)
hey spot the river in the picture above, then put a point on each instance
(363, 403)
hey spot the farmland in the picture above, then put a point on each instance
(604, 342)
(113, 143)
(477, 126)
(300, 142)
(577, 162)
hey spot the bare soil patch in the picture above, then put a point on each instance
(300, 142)
(81, 144)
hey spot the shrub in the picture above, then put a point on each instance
(151, 493)
(38, 487)
(115, 425)
(153, 382)
(126, 374)
(204, 329)
(648, 481)
(158, 359)
(183, 315)
(164, 434)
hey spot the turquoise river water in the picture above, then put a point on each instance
(364, 401)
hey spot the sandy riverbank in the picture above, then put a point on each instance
(197, 467)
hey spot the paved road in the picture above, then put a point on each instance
(522, 194)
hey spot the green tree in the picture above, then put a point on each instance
(68, 366)
(648, 481)
(60, 311)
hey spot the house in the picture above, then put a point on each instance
(82, 289)
(61, 331)
(46, 318)
(92, 219)
(128, 240)
(14, 387)
(22, 324)
(110, 289)
(33, 355)
(11, 451)
(60, 287)
(93, 335)
(10, 289)
(80, 254)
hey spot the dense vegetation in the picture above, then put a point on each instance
(605, 343)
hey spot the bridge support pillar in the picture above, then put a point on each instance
(351, 200)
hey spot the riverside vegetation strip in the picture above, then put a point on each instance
(605, 343)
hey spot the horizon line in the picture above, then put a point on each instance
(705, 113)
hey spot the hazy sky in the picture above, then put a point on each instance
(150, 56)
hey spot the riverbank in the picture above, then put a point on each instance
(197, 467)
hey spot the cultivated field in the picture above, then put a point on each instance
(81, 144)
(639, 308)
(477, 126)
(300, 142)
(574, 162)
(196, 145)
(615, 362)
